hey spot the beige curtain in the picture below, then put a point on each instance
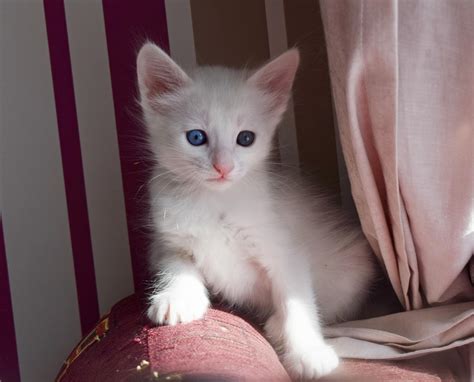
(402, 76)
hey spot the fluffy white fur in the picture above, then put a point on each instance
(257, 237)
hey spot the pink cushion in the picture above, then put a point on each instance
(221, 347)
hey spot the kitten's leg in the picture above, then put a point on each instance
(180, 295)
(294, 325)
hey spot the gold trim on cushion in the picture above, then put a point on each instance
(94, 336)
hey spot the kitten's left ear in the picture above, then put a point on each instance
(276, 78)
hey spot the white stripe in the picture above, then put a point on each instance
(100, 152)
(180, 32)
(37, 239)
(278, 43)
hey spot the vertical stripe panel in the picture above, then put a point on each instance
(99, 145)
(35, 218)
(9, 368)
(277, 42)
(127, 27)
(72, 163)
(180, 32)
(312, 96)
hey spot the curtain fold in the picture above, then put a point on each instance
(403, 85)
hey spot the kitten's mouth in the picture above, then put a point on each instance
(218, 180)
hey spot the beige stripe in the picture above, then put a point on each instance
(100, 153)
(277, 41)
(34, 211)
(180, 32)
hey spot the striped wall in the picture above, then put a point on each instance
(72, 168)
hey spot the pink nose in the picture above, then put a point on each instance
(223, 169)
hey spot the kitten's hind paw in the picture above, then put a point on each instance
(174, 306)
(313, 363)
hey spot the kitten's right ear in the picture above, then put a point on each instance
(158, 75)
(275, 80)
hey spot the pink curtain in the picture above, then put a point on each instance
(403, 82)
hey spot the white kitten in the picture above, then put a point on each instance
(227, 225)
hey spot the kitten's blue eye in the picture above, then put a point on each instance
(196, 137)
(245, 138)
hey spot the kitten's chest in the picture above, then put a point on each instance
(225, 244)
(227, 223)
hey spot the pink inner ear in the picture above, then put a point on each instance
(275, 82)
(163, 83)
(278, 87)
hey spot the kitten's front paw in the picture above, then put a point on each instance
(311, 363)
(176, 305)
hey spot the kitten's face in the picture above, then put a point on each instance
(216, 133)
(215, 129)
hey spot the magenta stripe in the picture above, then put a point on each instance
(9, 367)
(72, 163)
(129, 23)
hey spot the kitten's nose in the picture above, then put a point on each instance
(223, 168)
